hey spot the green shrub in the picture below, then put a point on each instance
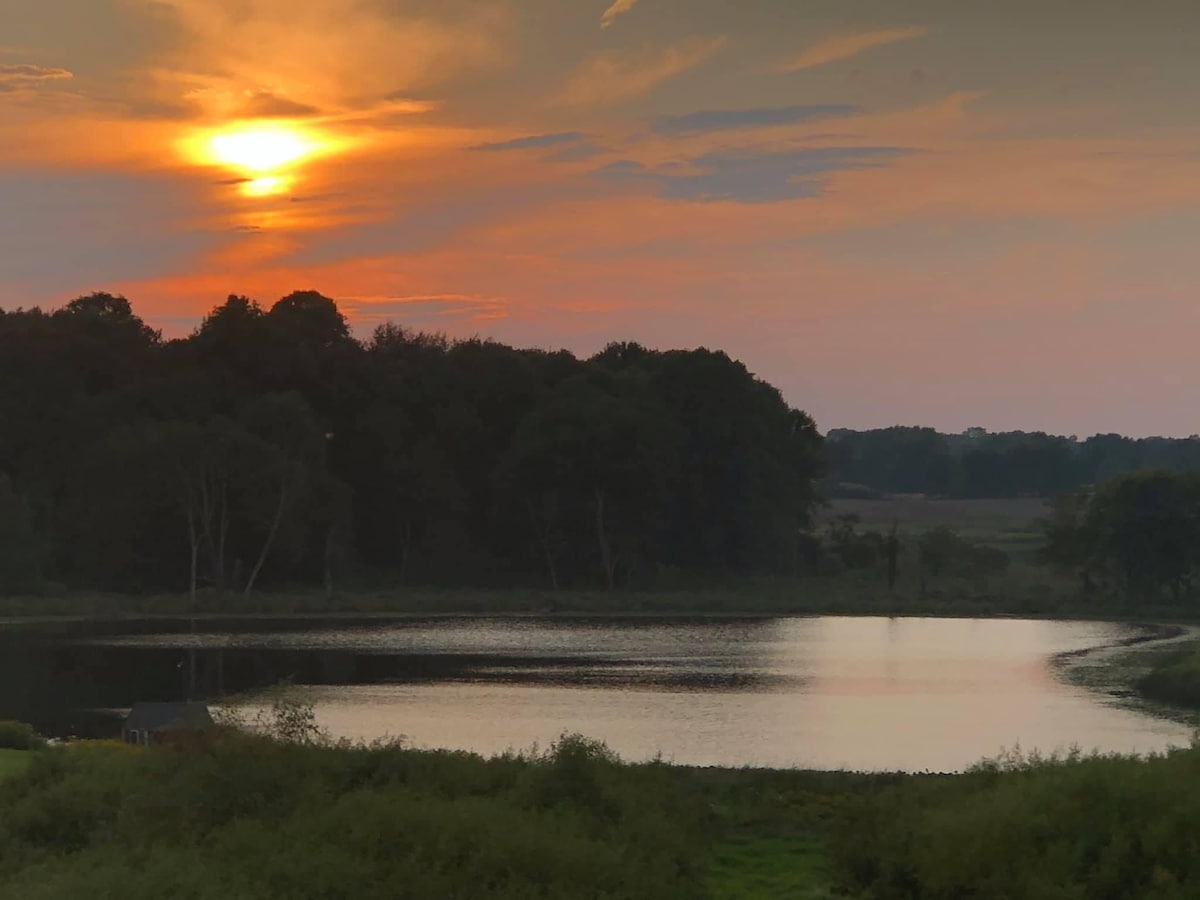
(1080, 828)
(251, 817)
(19, 736)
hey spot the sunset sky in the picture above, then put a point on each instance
(941, 212)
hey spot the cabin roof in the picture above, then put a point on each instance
(163, 716)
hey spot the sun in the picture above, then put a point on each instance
(261, 150)
(266, 156)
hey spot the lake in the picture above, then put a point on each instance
(816, 692)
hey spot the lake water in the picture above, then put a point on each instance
(819, 692)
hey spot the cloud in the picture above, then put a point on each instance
(614, 77)
(270, 105)
(399, 101)
(23, 76)
(533, 141)
(580, 152)
(722, 119)
(845, 46)
(333, 53)
(619, 8)
(752, 176)
(423, 308)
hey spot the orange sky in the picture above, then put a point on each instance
(899, 211)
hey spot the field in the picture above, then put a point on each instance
(1008, 524)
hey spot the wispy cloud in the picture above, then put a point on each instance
(533, 142)
(424, 308)
(579, 152)
(724, 119)
(845, 46)
(751, 175)
(19, 76)
(619, 8)
(332, 53)
(268, 105)
(613, 77)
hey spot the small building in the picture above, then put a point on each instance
(146, 721)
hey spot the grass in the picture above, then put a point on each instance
(770, 868)
(234, 816)
(1007, 524)
(13, 762)
(1174, 679)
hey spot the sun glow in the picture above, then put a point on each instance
(266, 186)
(266, 156)
(261, 149)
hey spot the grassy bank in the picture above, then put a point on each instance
(1023, 593)
(1174, 678)
(1160, 675)
(243, 817)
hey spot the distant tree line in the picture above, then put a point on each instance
(272, 447)
(978, 463)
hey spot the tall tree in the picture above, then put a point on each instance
(292, 450)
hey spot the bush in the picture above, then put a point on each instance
(942, 552)
(1079, 828)
(249, 816)
(19, 736)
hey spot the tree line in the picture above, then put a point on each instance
(978, 463)
(1136, 536)
(272, 447)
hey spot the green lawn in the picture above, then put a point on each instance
(769, 868)
(12, 762)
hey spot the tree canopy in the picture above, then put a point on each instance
(270, 447)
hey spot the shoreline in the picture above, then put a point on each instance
(1171, 627)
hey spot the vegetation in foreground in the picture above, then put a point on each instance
(13, 762)
(233, 815)
(247, 818)
(19, 736)
(1022, 827)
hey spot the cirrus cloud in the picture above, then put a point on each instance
(18, 76)
(845, 46)
(614, 77)
(722, 119)
(752, 175)
(619, 8)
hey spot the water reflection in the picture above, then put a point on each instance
(825, 692)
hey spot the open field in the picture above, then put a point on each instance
(1007, 524)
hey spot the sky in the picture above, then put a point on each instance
(928, 212)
